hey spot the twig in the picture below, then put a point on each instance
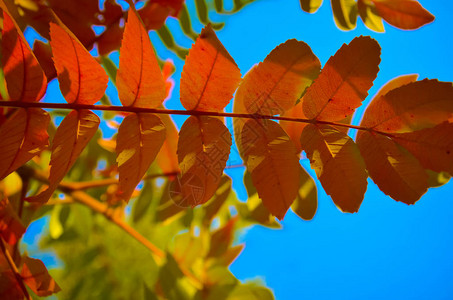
(133, 109)
(13, 267)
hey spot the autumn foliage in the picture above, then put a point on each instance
(284, 106)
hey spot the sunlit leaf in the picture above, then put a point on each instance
(24, 77)
(167, 159)
(23, 135)
(344, 81)
(139, 139)
(82, 79)
(139, 79)
(338, 164)
(73, 134)
(210, 76)
(221, 239)
(306, 203)
(404, 14)
(395, 171)
(37, 278)
(413, 106)
(370, 16)
(203, 149)
(310, 6)
(271, 159)
(294, 129)
(345, 13)
(274, 85)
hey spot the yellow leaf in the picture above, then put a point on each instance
(310, 6)
(278, 82)
(270, 157)
(345, 13)
(203, 149)
(139, 139)
(338, 164)
(395, 171)
(370, 16)
(344, 81)
(306, 203)
(210, 76)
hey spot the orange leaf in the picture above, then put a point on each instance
(71, 137)
(306, 203)
(278, 82)
(395, 171)
(139, 79)
(433, 147)
(344, 81)
(24, 135)
(203, 149)
(9, 287)
(338, 164)
(222, 238)
(167, 159)
(82, 79)
(294, 129)
(210, 76)
(140, 137)
(404, 14)
(36, 276)
(270, 157)
(24, 77)
(11, 228)
(413, 106)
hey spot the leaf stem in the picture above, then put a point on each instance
(13, 267)
(132, 109)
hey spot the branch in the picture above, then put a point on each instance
(132, 109)
(13, 267)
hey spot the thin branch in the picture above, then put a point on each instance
(132, 109)
(13, 267)
(85, 199)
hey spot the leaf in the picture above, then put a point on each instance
(210, 76)
(345, 13)
(221, 239)
(203, 149)
(213, 206)
(310, 6)
(11, 227)
(139, 139)
(82, 80)
(395, 171)
(404, 14)
(167, 159)
(306, 203)
(37, 278)
(344, 81)
(71, 137)
(338, 164)
(414, 106)
(271, 159)
(139, 79)
(294, 129)
(24, 77)
(24, 135)
(433, 147)
(370, 16)
(275, 85)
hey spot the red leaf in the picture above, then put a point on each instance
(82, 79)
(140, 138)
(210, 76)
(404, 14)
(344, 81)
(11, 228)
(36, 276)
(24, 135)
(24, 77)
(71, 137)
(139, 78)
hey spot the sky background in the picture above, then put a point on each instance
(387, 250)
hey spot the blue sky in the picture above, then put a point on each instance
(387, 250)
